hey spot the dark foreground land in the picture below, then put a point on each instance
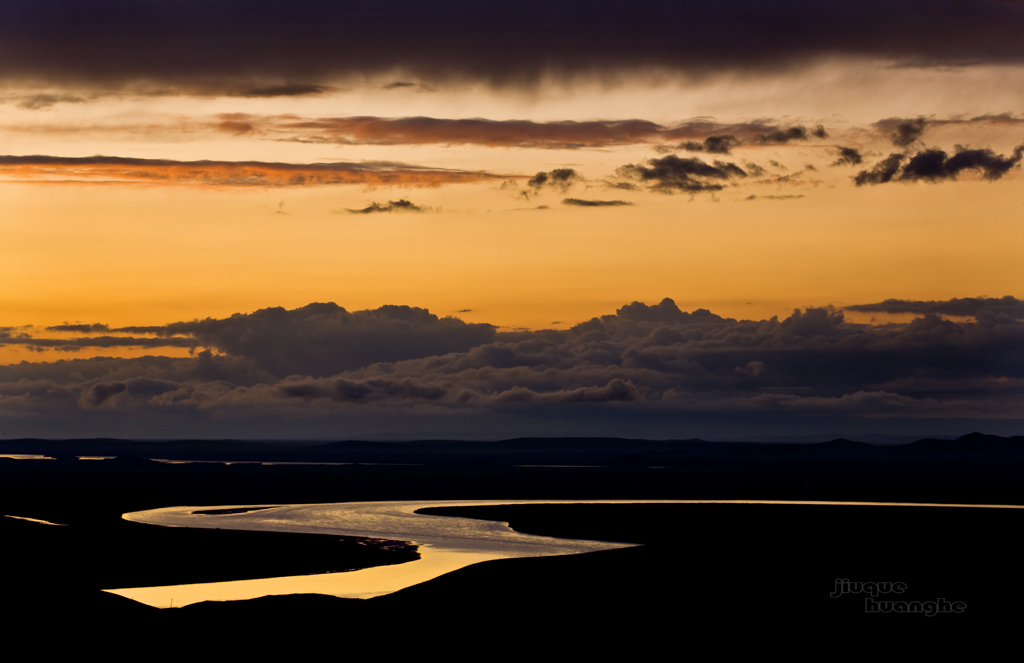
(709, 577)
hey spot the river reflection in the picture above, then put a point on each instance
(445, 543)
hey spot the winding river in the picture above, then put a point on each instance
(445, 543)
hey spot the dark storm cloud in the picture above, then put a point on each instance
(936, 165)
(672, 174)
(115, 41)
(966, 307)
(229, 173)
(578, 202)
(390, 206)
(848, 156)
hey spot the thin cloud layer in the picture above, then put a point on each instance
(966, 307)
(110, 42)
(716, 137)
(580, 202)
(401, 205)
(428, 130)
(75, 344)
(228, 173)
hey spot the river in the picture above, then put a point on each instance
(445, 543)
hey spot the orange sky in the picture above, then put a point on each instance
(792, 156)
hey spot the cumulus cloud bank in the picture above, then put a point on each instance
(657, 357)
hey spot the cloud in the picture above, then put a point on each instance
(560, 179)
(700, 134)
(902, 132)
(322, 339)
(623, 186)
(43, 101)
(84, 329)
(391, 206)
(98, 394)
(282, 90)
(400, 85)
(109, 42)
(651, 360)
(936, 165)
(577, 202)
(881, 172)
(967, 307)
(40, 168)
(76, 344)
(783, 136)
(671, 174)
(848, 156)
(712, 144)
(442, 131)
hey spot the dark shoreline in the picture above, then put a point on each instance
(756, 568)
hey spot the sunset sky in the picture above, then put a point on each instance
(400, 219)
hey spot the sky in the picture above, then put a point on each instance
(393, 220)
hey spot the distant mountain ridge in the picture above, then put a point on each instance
(971, 448)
